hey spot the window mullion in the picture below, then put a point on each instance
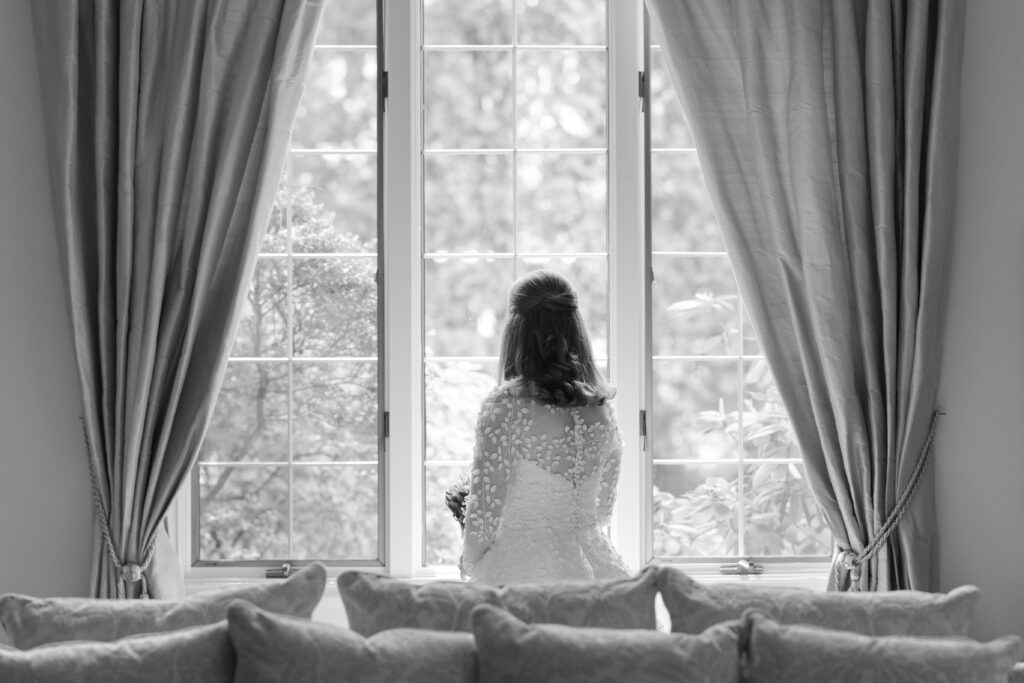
(626, 267)
(403, 344)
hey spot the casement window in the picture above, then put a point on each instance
(442, 149)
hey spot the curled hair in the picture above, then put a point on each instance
(545, 343)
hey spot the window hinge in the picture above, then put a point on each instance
(282, 572)
(742, 567)
(384, 88)
(643, 91)
(643, 423)
(387, 425)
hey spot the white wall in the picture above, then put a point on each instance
(45, 507)
(980, 445)
(45, 514)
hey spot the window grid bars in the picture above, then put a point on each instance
(515, 255)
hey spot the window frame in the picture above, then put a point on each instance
(401, 314)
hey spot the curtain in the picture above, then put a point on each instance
(827, 132)
(167, 125)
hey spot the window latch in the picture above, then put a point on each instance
(282, 572)
(743, 567)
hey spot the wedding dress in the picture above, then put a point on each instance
(541, 491)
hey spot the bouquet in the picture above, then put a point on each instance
(455, 498)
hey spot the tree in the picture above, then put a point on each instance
(333, 413)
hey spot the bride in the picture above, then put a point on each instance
(546, 458)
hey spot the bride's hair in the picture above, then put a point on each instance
(545, 344)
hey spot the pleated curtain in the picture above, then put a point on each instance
(827, 132)
(167, 125)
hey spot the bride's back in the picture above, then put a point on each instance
(556, 455)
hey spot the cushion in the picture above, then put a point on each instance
(36, 621)
(796, 653)
(196, 655)
(376, 603)
(1017, 673)
(511, 651)
(693, 607)
(274, 648)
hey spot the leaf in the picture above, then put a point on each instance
(687, 307)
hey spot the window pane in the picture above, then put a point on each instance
(454, 391)
(751, 344)
(250, 419)
(275, 239)
(335, 411)
(727, 470)
(311, 312)
(467, 22)
(532, 208)
(694, 306)
(243, 513)
(696, 510)
(467, 202)
(338, 109)
(467, 99)
(692, 402)
(336, 512)
(333, 202)
(263, 325)
(782, 517)
(682, 218)
(335, 302)
(464, 305)
(562, 202)
(562, 22)
(562, 98)
(767, 431)
(668, 124)
(348, 22)
(442, 536)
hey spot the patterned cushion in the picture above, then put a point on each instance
(375, 603)
(36, 621)
(694, 606)
(511, 651)
(196, 655)
(273, 648)
(781, 653)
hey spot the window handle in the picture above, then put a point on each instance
(282, 572)
(742, 567)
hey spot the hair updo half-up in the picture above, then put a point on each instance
(545, 343)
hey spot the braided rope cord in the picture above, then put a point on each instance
(852, 561)
(126, 572)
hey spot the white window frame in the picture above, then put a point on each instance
(629, 352)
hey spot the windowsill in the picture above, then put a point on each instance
(331, 610)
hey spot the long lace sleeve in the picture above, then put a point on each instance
(489, 478)
(609, 479)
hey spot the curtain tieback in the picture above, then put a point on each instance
(852, 561)
(129, 572)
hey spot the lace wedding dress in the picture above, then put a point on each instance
(541, 491)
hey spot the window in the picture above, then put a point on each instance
(512, 138)
(291, 465)
(728, 480)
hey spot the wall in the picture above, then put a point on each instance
(980, 449)
(45, 508)
(45, 529)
